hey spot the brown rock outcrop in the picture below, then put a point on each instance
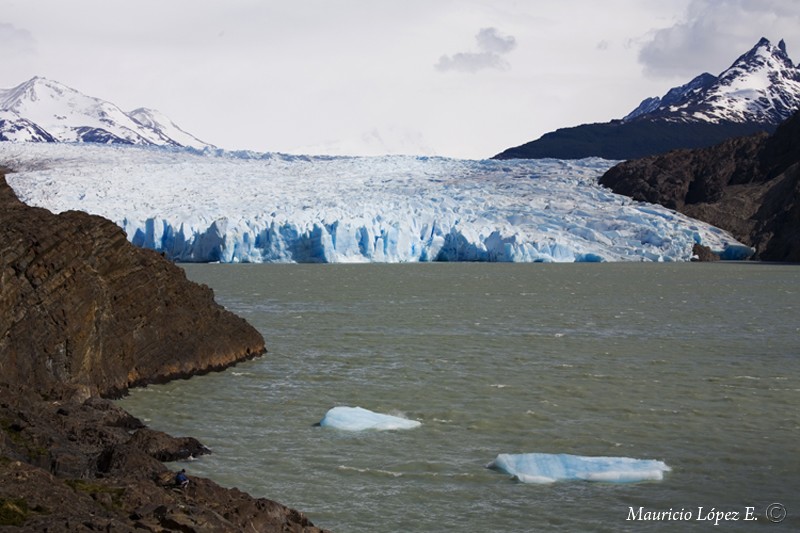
(749, 186)
(67, 466)
(81, 306)
(85, 314)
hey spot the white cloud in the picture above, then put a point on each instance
(713, 33)
(15, 42)
(490, 41)
(492, 46)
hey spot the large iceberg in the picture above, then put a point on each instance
(360, 419)
(247, 207)
(549, 468)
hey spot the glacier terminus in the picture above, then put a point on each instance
(216, 206)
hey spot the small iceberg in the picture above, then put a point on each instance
(359, 419)
(549, 468)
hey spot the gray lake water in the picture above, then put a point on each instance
(697, 365)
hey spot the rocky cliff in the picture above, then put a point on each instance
(85, 314)
(749, 186)
(82, 307)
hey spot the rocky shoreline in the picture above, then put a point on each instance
(84, 316)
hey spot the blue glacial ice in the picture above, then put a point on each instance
(549, 468)
(247, 207)
(360, 419)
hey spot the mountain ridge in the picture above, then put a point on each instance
(43, 110)
(757, 92)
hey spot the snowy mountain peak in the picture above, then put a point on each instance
(33, 90)
(761, 86)
(763, 55)
(43, 110)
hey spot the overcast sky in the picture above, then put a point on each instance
(464, 78)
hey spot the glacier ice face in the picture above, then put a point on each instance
(360, 419)
(246, 207)
(549, 468)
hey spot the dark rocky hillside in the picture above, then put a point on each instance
(85, 314)
(628, 140)
(749, 186)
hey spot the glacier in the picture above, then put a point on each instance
(543, 468)
(217, 206)
(360, 419)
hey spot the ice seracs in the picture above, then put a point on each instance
(541, 468)
(360, 419)
(244, 207)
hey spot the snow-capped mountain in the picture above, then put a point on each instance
(761, 86)
(248, 207)
(674, 97)
(42, 110)
(17, 129)
(760, 90)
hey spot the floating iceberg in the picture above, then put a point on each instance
(549, 468)
(359, 419)
(237, 207)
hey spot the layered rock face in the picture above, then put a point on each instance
(749, 186)
(85, 314)
(81, 306)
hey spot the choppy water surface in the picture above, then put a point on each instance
(697, 365)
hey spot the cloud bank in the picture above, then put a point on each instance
(712, 33)
(15, 42)
(491, 45)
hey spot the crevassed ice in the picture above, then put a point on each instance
(549, 468)
(360, 419)
(248, 207)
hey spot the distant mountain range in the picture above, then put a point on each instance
(757, 92)
(42, 110)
